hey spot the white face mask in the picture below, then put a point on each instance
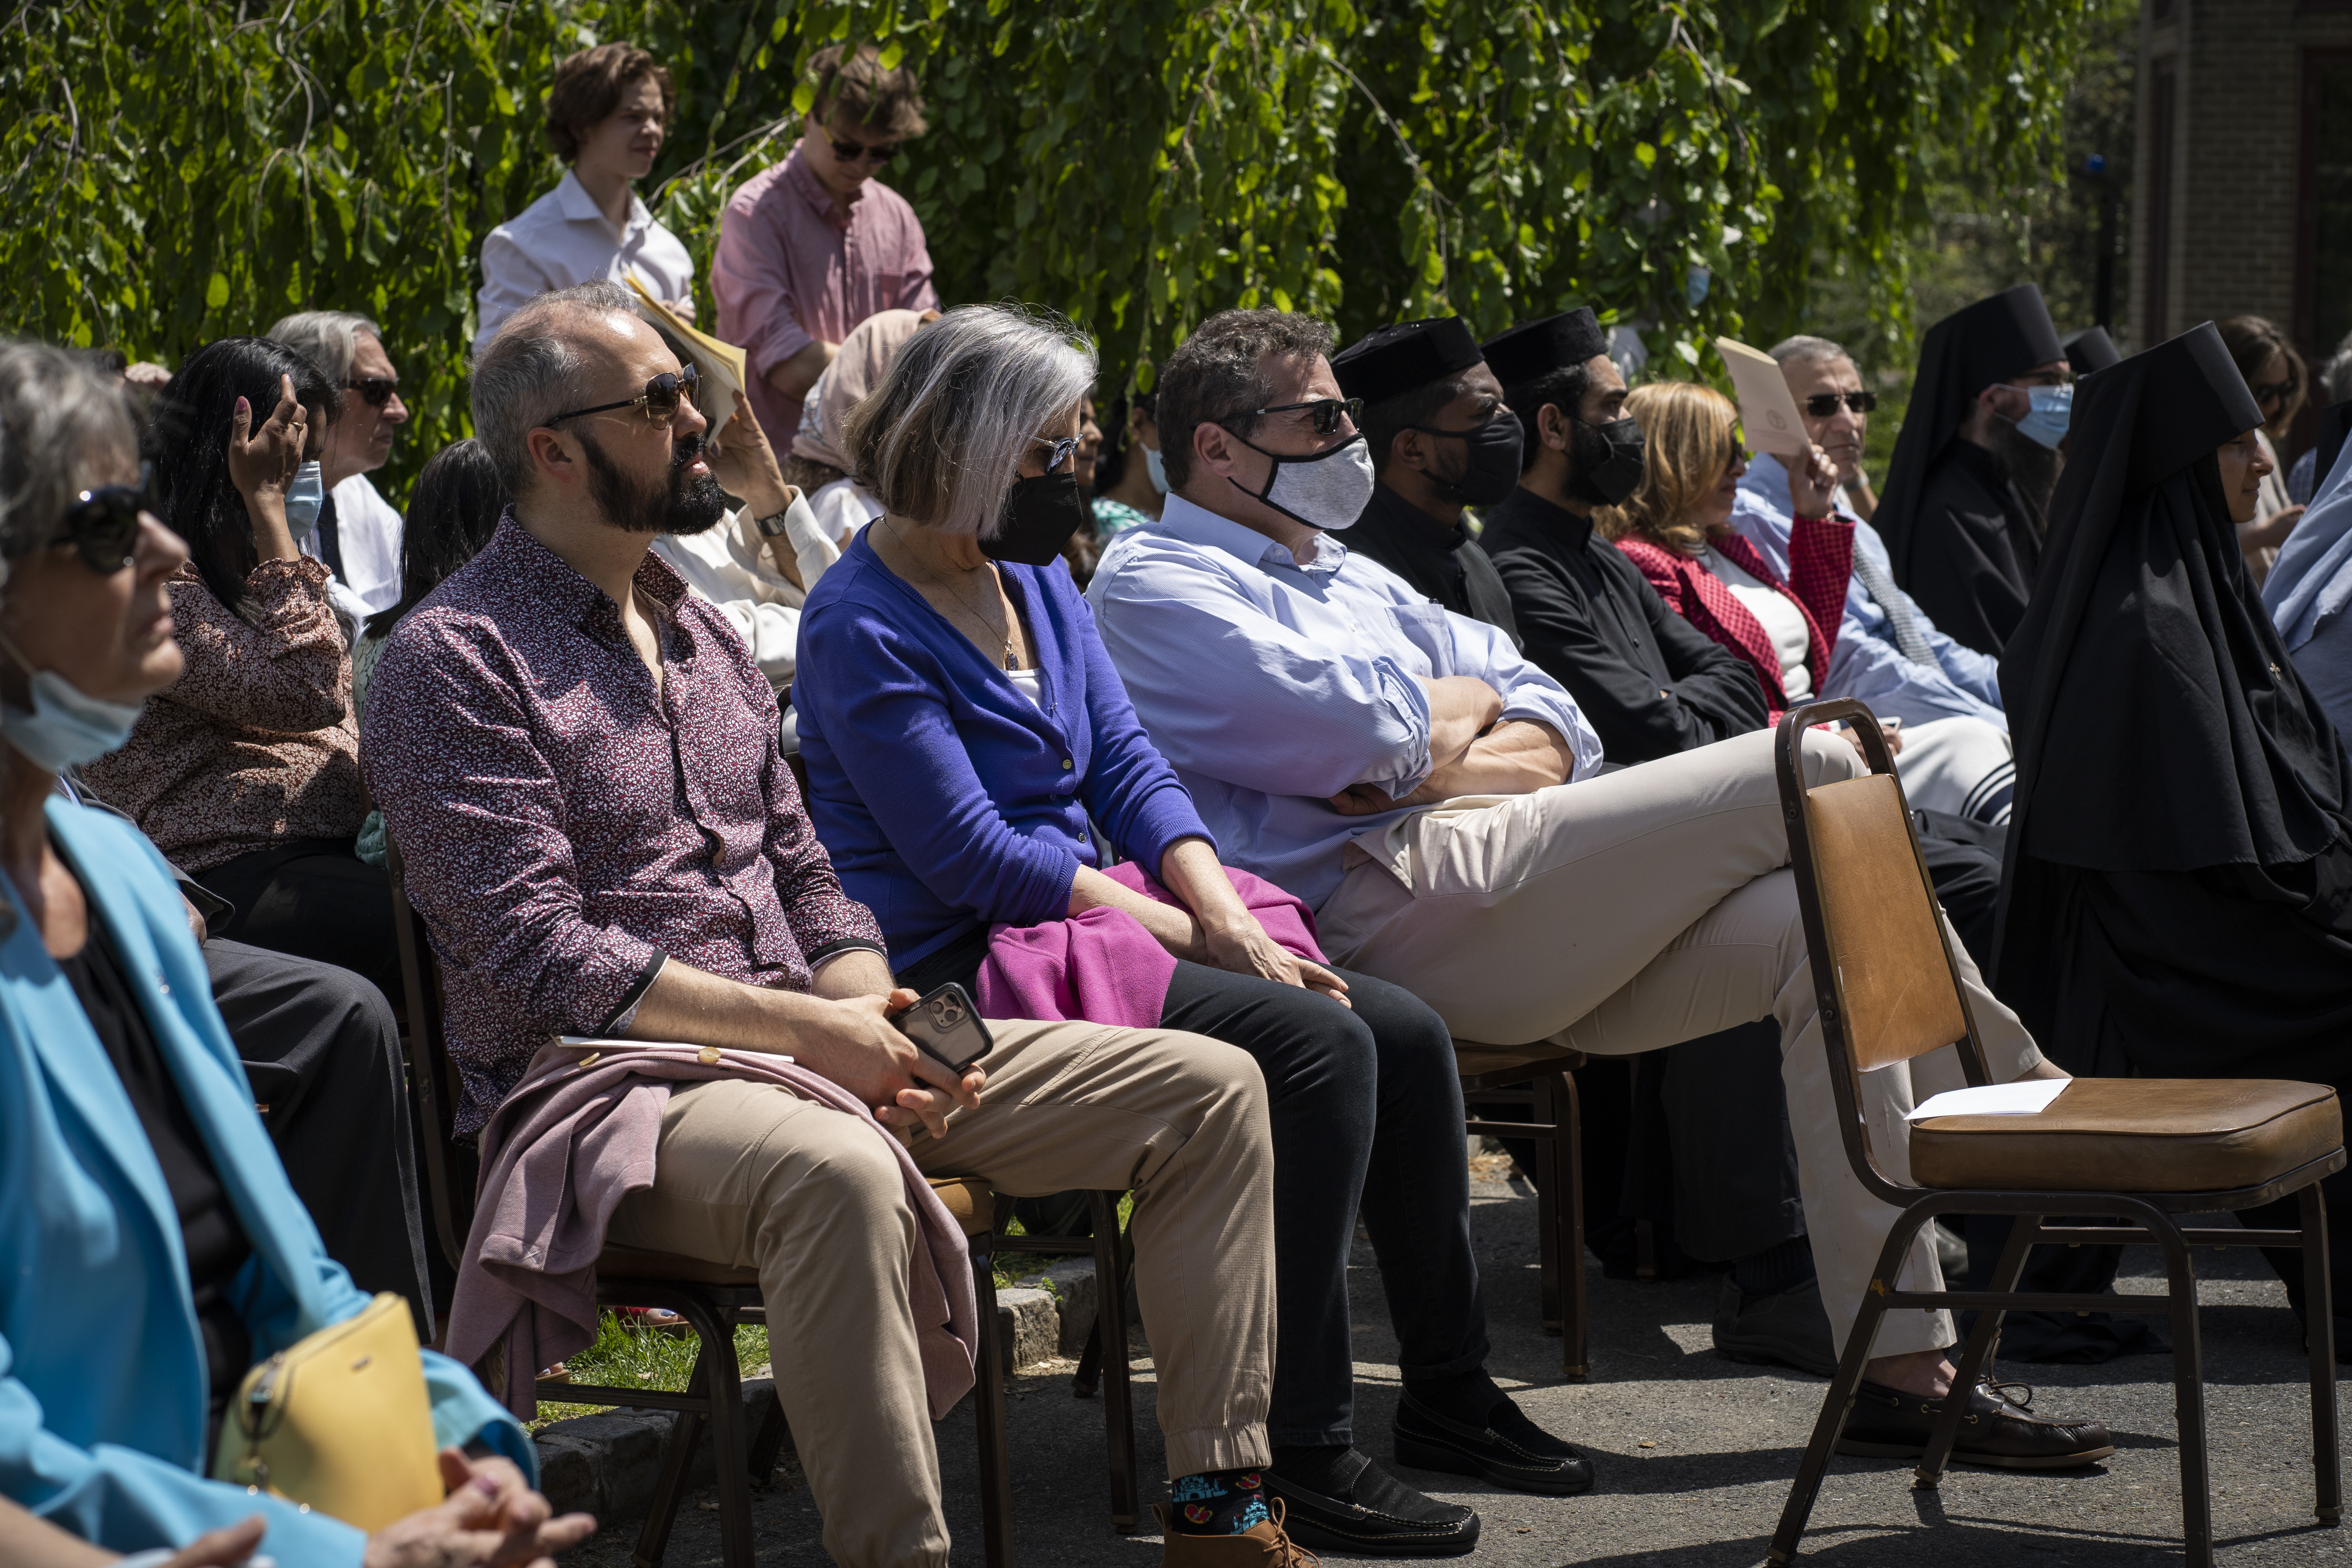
(1156, 470)
(66, 726)
(304, 497)
(1316, 489)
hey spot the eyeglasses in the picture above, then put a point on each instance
(1821, 405)
(2272, 391)
(376, 391)
(103, 523)
(1059, 451)
(660, 398)
(854, 152)
(1328, 412)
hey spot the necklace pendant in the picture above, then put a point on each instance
(1011, 662)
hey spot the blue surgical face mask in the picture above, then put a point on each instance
(67, 727)
(303, 499)
(1156, 470)
(2049, 411)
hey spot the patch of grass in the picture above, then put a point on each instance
(626, 1356)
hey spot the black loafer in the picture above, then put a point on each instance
(1373, 1514)
(1997, 1431)
(1790, 1329)
(1510, 1450)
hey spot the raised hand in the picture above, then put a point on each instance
(261, 465)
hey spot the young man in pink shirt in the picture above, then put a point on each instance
(813, 246)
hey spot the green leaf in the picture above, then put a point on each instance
(216, 291)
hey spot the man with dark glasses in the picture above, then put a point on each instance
(813, 246)
(357, 533)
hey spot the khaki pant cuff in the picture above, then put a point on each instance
(1218, 1448)
(1902, 1333)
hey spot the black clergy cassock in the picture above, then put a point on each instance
(1650, 683)
(2178, 888)
(1434, 559)
(1974, 549)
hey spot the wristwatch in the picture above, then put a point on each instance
(773, 525)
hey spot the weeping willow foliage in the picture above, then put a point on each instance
(179, 169)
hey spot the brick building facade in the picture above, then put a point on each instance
(2242, 201)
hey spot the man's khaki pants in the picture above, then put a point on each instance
(1641, 909)
(752, 1177)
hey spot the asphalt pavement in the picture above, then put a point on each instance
(1694, 1453)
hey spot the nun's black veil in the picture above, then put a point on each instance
(2177, 893)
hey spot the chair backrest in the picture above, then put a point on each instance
(1887, 985)
(449, 1164)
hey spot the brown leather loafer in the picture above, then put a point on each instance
(1997, 1431)
(1260, 1546)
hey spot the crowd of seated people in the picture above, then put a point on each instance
(1347, 703)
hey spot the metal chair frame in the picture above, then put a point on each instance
(1506, 1078)
(2147, 1218)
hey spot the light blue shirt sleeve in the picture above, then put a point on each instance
(1866, 665)
(1234, 694)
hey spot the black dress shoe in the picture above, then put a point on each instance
(1510, 1450)
(1788, 1329)
(1370, 1512)
(1887, 1424)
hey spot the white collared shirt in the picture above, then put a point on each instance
(564, 238)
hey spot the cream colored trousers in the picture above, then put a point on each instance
(1638, 909)
(752, 1177)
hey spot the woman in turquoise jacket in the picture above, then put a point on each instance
(150, 1247)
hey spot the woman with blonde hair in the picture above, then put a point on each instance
(1676, 527)
(2274, 373)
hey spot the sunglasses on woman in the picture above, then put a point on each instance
(1821, 405)
(660, 398)
(854, 152)
(1058, 452)
(2272, 391)
(102, 524)
(376, 391)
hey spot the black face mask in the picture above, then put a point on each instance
(1041, 513)
(1491, 471)
(1607, 459)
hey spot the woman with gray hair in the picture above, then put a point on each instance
(151, 1249)
(966, 738)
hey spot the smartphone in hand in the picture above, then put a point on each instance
(947, 1027)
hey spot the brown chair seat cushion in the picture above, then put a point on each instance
(968, 1198)
(2135, 1135)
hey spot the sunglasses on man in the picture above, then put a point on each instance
(1821, 405)
(877, 153)
(376, 391)
(660, 398)
(102, 524)
(1325, 412)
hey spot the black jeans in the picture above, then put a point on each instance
(321, 1050)
(312, 897)
(1367, 1114)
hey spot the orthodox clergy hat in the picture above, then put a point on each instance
(2091, 349)
(1537, 348)
(1392, 360)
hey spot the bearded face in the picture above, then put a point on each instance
(672, 504)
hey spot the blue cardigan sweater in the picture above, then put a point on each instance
(102, 1375)
(948, 802)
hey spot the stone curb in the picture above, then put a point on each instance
(606, 1464)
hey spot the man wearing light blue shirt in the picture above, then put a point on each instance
(1955, 752)
(1440, 801)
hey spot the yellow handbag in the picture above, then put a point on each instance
(338, 1423)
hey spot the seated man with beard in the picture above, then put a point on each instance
(1968, 493)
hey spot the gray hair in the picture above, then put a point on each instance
(2337, 376)
(60, 413)
(532, 369)
(328, 339)
(940, 440)
(1788, 350)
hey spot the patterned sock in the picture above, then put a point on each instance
(1218, 1502)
